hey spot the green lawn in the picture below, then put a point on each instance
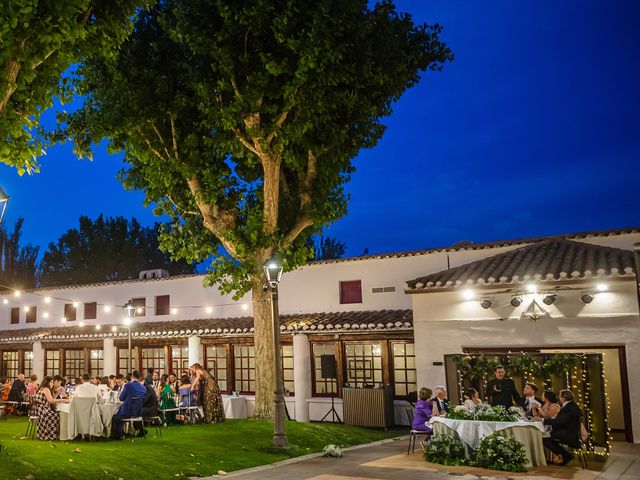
(183, 451)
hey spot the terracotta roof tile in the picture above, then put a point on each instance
(211, 327)
(547, 260)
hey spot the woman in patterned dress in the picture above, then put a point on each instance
(48, 416)
(210, 395)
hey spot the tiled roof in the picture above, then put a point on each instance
(547, 260)
(386, 320)
(408, 253)
(484, 245)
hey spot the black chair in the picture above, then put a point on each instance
(413, 434)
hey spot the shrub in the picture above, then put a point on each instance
(445, 450)
(500, 453)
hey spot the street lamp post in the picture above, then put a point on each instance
(273, 273)
(129, 314)
(4, 200)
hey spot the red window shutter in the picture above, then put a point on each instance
(163, 304)
(15, 315)
(32, 314)
(90, 310)
(69, 312)
(351, 291)
(140, 304)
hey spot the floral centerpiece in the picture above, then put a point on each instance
(500, 453)
(487, 413)
(445, 450)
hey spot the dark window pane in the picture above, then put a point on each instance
(140, 304)
(32, 314)
(69, 312)
(351, 292)
(15, 315)
(163, 305)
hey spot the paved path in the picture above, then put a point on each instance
(389, 461)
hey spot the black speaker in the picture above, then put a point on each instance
(328, 364)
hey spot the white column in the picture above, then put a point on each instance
(195, 350)
(109, 356)
(37, 364)
(301, 376)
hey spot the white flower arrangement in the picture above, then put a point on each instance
(332, 450)
(459, 409)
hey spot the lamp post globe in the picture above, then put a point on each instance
(129, 311)
(273, 271)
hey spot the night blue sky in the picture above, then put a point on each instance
(534, 129)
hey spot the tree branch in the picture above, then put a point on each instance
(302, 223)
(245, 141)
(309, 180)
(146, 140)
(174, 136)
(11, 75)
(184, 211)
(161, 138)
(42, 60)
(215, 220)
(279, 122)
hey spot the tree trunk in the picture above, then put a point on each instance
(264, 348)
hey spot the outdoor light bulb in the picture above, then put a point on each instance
(5, 301)
(45, 314)
(531, 288)
(174, 311)
(64, 319)
(26, 309)
(209, 310)
(139, 310)
(107, 308)
(47, 299)
(127, 321)
(98, 327)
(81, 324)
(467, 294)
(602, 287)
(245, 306)
(17, 293)
(114, 329)
(273, 266)
(75, 304)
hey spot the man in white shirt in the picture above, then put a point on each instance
(530, 401)
(88, 389)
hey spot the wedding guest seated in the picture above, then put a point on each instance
(18, 389)
(45, 410)
(132, 398)
(112, 382)
(32, 386)
(529, 400)
(440, 400)
(59, 389)
(472, 399)
(87, 389)
(565, 429)
(187, 396)
(549, 408)
(120, 381)
(150, 403)
(96, 380)
(423, 411)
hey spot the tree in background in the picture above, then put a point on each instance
(240, 119)
(18, 265)
(327, 248)
(39, 40)
(105, 249)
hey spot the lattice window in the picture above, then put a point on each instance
(287, 367)
(153, 358)
(28, 363)
(321, 385)
(123, 359)
(364, 364)
(245, 368)
(179, 359)
(404, 368)
(215, 359)
(10, 364)
(97, 362)
(52, 363)
(74, 363)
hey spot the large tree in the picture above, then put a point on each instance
(18, 264)
(105, 249)
(240, 120)
(39, 40)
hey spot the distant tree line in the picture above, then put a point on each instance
(102, 250)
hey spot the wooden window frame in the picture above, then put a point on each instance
(70, 312)
(160, 307)
(31, 315)
(140, 303)
(15, 315)
(342, 293)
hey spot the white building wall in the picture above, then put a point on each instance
(445, 323)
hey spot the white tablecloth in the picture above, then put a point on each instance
(67, 425)
(529, 434)
(234, 407)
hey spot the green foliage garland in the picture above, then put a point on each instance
(559, 364)
(445, 450)
(500, 453)
(525, 363)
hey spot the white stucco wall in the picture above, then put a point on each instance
(446, 323)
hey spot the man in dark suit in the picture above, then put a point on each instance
(529, 400)
(502, 390)
(132, 398)
(440, 399)
(565, 428)
(18, 389)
